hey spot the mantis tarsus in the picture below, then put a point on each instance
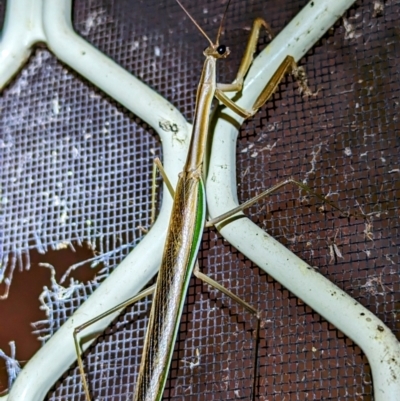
(188, 220)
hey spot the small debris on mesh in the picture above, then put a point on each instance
(368, 230)
(375, 286)
(195, 360)
(350, 30)
(379, 6)
(300, 75)
(334, 250)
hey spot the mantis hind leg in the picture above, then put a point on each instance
(77, 330)
(270, 191)
(203, 277)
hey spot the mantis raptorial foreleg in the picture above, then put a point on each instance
(287, 65)
(247, 58)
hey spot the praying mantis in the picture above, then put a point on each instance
(188, 219)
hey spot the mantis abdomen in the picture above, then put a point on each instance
(180, 254)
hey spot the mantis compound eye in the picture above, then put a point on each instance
(221, 49)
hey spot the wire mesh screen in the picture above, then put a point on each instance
(76, 168)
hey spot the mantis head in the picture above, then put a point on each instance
(215, 50)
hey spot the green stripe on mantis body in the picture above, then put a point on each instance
(197, 238)
(199, 227)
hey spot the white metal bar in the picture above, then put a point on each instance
(21, 29)
(103, 71)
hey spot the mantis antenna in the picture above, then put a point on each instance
(200, 28)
